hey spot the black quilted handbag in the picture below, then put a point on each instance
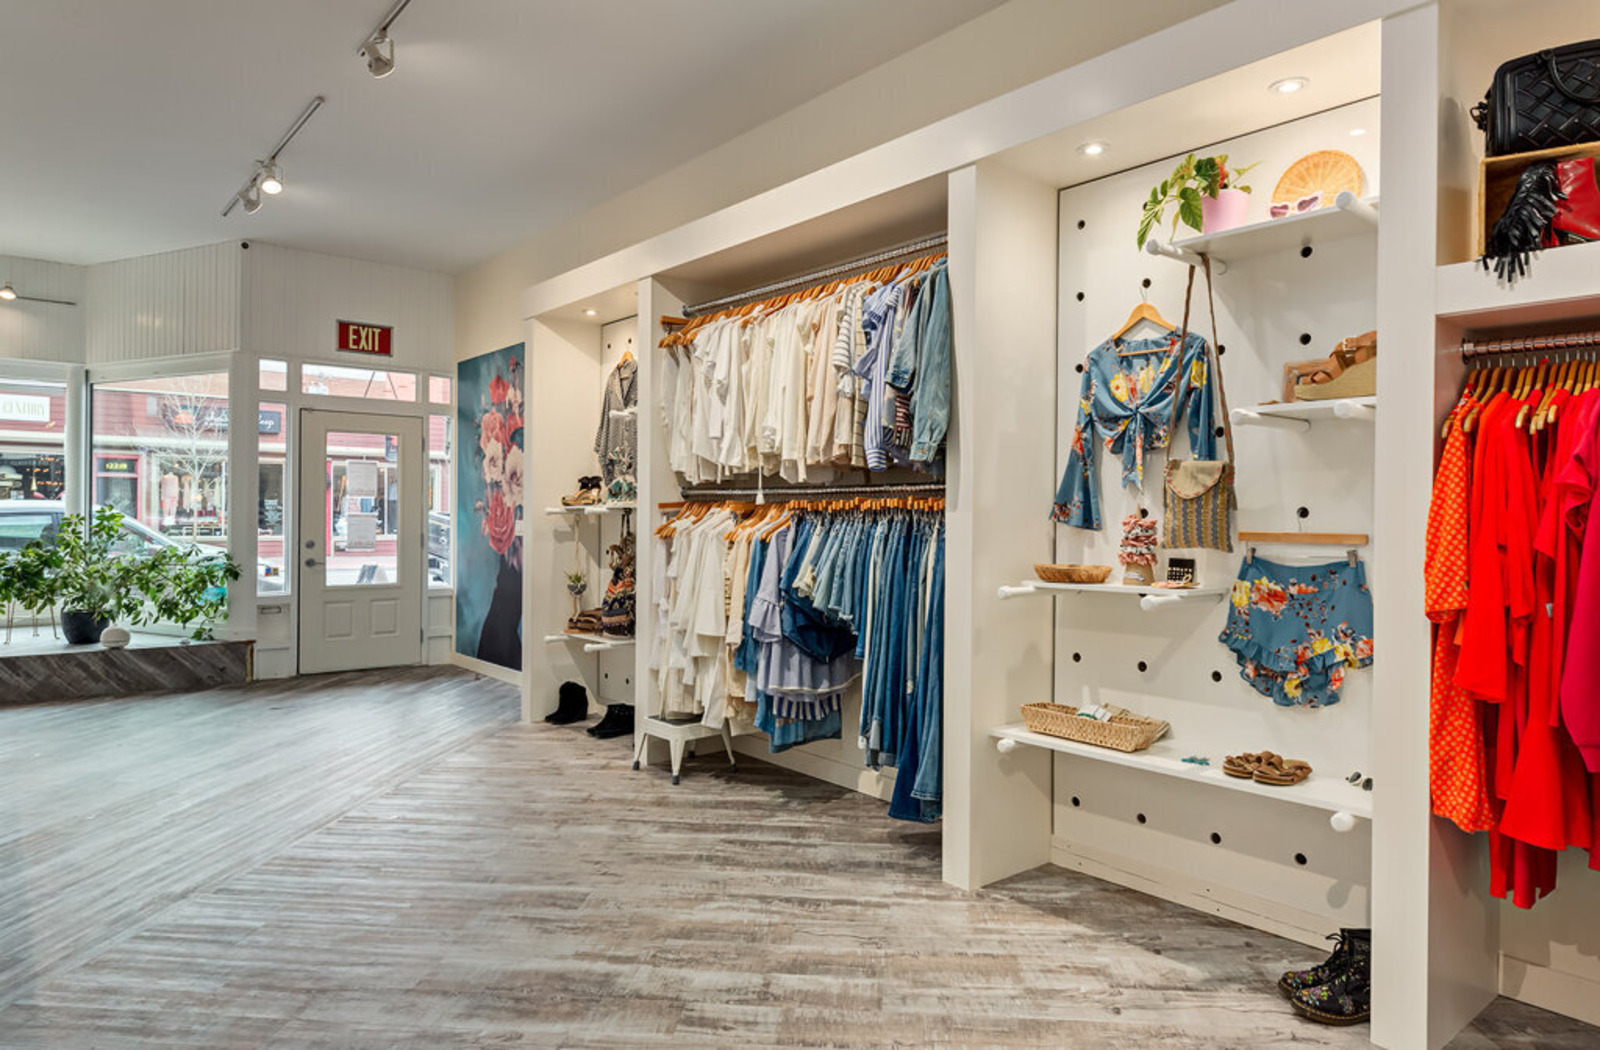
(1540, 101)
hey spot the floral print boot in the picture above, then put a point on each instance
(1345, 946)
(1347, 997)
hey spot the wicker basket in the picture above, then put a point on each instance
(1073, 573)
(1125, 732)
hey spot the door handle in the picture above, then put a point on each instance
(312, 563)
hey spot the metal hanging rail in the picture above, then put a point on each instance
(714, 495)
(1532, 344)
(866, 262)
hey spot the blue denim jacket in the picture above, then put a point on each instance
(922, 354)
(1133, 393)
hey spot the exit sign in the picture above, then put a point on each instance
(358, 338)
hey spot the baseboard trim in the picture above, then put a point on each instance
(487, 669)
(1550, 989)
(820, 767)
(1180, 888)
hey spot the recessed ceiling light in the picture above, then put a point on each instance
(7, 292)
(1288, 85)
(1356, 133)
(590, 313)
(1092, 149)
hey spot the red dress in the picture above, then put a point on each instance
(1456, 773)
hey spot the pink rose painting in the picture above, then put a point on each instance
(489, 451)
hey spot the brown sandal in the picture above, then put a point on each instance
(1281, 772)
(1244, 765)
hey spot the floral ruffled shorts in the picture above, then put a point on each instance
(1296, 629)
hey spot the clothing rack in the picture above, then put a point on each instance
(811, 492)
(1532, 344)
(866, 262)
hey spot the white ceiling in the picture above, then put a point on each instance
(124, 127)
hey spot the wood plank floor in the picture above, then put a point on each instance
(386, 861)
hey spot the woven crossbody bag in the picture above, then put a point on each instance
(1197, 496)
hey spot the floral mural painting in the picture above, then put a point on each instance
(488, 506)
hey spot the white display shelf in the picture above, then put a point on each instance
(1562, 284)
(1165, 757)
(1350, 216)
(592, 643)
(1299, 415)
(596, 508)
(1150, 597)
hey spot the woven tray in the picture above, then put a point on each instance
(1072, 573)
(1125, 731)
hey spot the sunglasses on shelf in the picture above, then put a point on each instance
(1299, 207)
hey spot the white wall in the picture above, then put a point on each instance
(42, 331)
(1013, 45)
(183, 302)
(291, 300)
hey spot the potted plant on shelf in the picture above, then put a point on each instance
(1207, 194)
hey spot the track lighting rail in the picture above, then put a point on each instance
(250, 193)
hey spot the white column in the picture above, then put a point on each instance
(998, 655)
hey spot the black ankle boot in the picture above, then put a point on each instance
(1346, 998)
(573, 705)
(1346, 941)
(618, 721)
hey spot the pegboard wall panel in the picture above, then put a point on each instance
(1287, 305)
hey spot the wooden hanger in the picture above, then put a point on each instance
(1143, 312)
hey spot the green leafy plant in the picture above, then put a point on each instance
(89, 576)
(577, 583)
(80, 569)
(31, 581)
(189, 586)
(1191, 180)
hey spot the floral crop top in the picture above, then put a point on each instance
(1133, 393)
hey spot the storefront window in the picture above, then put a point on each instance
(440, 495)
(160, 454)
(33, 422)
(273, 375)
(272, 436)
(438, 390)
(373, 384)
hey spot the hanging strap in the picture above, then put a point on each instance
(1213, 357)
(1216, 359)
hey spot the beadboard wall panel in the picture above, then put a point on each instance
(292, 301)
(42, 331)
(182, 302)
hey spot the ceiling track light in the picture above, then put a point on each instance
(10, 294)
(378, 50)
(268, 177)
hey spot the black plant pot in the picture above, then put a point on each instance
(81, 628)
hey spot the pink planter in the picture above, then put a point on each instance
(1224, 211)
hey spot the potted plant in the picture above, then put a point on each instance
(577, 584)
(31, 583)
(1207, 193)
(93, 584)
